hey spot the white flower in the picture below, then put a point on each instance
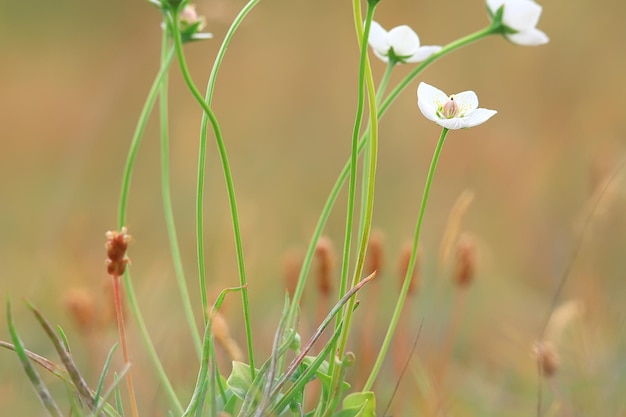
(400, 43)
(457, 111)
(520, 17)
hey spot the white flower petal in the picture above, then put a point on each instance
(477, 117)
(521, 14)
(380, 56)
(467, 101)
(423, 53)
(428, 100)
(452, 124)
(533, 37)
(378, 38)
(403, 40)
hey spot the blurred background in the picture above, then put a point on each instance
(74, 77)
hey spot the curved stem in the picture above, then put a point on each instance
(136, 140)
(409, 271)
(384, 81)
(130, 293)
(169, 211)
(202, 151)
(365, 78)
(368, 207)
(229, 186)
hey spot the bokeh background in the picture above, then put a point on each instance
(73, 79)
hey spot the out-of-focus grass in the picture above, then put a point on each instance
(73, 79)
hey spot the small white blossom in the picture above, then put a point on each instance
(400, 43)
(457, 111)
(521, 18)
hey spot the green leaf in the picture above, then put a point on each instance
(322, 374)
(240, 379)
(365, 402)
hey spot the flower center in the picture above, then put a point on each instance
(450, 109)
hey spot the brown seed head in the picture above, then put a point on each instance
(375, 253)
(220, 331)
(548, 358)
(325, 256)
(116, 245)
(465, 267)
(451, 234)
(291, 267)
(80, 304)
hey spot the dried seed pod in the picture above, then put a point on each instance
(116, 245)
(325, 256)
(465, 264)
(547, 357)
(81, 305)
(375, 253)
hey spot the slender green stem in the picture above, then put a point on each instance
(229, 185)
(345, 263)
(368, 207)
(409, 272)
(136, 140)
(365, 79)
(202, 151)
(168, 209)
(384, 82)
(130, 293)
(222, 51)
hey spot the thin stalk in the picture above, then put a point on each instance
(130, 160)
(202, 152)
(136, 140)
(168, 209)
(384, 82)
(409, 271)
(365, 77)
(202, 149)
(368, 208)
(122, 333)
(229, 184)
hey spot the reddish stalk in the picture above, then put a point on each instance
(117, 243)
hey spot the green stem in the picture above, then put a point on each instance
(370, 180)
(229, 185)
(136, 140)
(384, 81)
(169, 211)
(202, 151)
(130, 293)
(409, 272)
(365, 78)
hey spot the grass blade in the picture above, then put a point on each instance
(105, 371)
(33, 376)
(81, 386)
